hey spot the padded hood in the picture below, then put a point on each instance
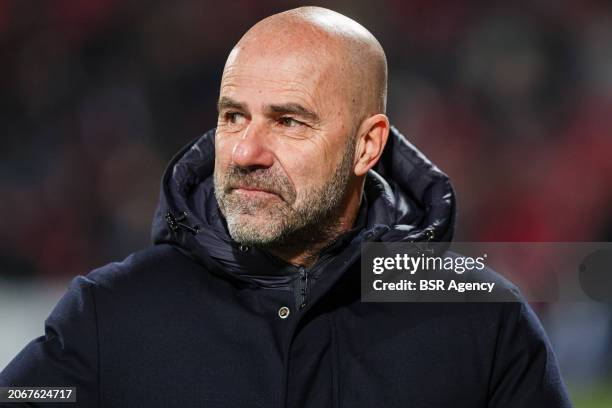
(408, 200)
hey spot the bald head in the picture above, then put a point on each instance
(342, 50)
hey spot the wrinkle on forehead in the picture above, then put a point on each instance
(285, 83)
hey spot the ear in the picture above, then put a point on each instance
(372, 137)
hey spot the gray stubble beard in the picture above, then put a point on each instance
(312, 221)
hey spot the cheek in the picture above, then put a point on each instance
(307, 170)
(223, 152)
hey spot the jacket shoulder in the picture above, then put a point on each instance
(149, 265)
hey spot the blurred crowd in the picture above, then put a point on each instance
(512, 99)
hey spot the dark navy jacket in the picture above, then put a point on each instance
(194, 321)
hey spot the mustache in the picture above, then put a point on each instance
(271, 180)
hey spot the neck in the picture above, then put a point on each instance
(303, 247)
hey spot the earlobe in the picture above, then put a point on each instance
(362, 165)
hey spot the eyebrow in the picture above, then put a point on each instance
(294, 109)
(289, 108)
(229, 103)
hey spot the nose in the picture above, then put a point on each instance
(251, 150)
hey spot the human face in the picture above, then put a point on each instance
(284, 147)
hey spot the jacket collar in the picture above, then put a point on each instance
(408, 199)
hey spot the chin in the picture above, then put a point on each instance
(252, 229)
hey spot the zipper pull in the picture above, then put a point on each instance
(175, 223)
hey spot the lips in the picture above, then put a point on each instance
(249, 188)
(254, 191)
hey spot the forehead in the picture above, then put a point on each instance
(264, 74)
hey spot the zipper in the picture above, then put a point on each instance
(304, 278)
(303, 287)
(304, 273)
(304, 281)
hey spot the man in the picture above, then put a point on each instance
(250, 296)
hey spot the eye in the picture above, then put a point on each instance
(233, 117)
(288, 121)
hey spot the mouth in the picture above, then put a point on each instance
(254, 192)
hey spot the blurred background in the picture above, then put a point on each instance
(512, 99)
